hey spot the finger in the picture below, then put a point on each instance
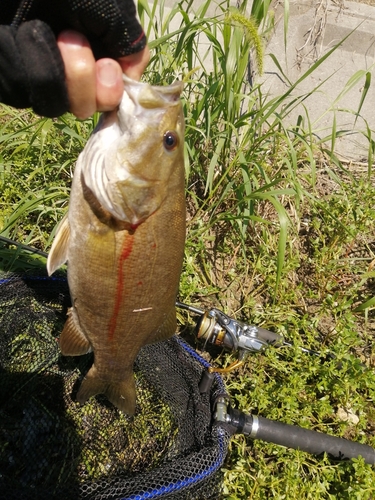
(134, 65)
(80, 73)
(109, 84)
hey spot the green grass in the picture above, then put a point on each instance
(37, 158)
(280, 234)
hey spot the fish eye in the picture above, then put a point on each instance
(170, 140)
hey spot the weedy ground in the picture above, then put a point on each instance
(280, 234)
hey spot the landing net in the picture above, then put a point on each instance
(51, 448)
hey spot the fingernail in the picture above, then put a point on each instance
(72, 38)
(108, 74)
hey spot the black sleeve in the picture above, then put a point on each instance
(111, 26)
(31, 67)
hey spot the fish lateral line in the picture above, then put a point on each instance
(125, 253)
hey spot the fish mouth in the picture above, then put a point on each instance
(152, 96)
(141, 98)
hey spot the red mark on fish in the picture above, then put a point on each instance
(125, 252)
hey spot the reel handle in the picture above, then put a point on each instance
(270, 337)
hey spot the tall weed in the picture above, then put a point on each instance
(36, 164)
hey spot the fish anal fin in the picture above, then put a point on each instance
(166, 330)
(73, 341)
(58, 254)
(120, 393)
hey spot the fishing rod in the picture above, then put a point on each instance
(23, 246)
(290, 436)
(219, 329)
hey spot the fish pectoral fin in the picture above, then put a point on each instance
(166, 330)
(120, 393)
(73, 341)
(58, 254)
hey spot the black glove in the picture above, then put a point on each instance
(31, 67)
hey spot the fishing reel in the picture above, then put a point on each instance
(216, 328)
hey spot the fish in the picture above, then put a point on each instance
(123, 238)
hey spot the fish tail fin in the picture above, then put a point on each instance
(121, 393)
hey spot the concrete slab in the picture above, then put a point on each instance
(314, 28)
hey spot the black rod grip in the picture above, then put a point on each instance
(307, 440)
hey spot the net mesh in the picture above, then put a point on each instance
(51, 448)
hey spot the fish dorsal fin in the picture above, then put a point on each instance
(59, 251)
(73, 341)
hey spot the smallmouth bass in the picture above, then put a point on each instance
(123, 238)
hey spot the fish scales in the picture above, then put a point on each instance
(124, 239)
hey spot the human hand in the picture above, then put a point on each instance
(46, 65)
(95, 85)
